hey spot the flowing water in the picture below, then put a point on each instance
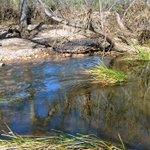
(35, 98)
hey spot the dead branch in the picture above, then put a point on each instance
(54, 17)
(120, 22)
(10, 33)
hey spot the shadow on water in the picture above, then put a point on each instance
(35, 98)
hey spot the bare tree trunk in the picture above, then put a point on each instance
(23, 17)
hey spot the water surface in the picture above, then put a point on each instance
(35, 98)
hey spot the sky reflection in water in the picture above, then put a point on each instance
(35, 98)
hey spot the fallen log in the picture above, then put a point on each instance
(54, 17)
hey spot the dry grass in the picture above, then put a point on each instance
(137, 16)
(58, 141)
(9, 10)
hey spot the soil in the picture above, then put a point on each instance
(16, 49)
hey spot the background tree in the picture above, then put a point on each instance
(23, 17)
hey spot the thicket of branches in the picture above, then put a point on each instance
(103, 16)
(10, 9)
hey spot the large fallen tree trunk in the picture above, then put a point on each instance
(104, 42)
(54, 17)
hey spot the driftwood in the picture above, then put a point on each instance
(54, 17)
(120, 22)
(10, 33)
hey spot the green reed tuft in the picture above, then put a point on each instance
(106, 76)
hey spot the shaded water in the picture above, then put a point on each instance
(35, 98)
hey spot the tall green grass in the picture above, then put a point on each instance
(106, 76)
(141, 53)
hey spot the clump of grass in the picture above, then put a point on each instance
(106, 76)
(59, 141)
(142, 53)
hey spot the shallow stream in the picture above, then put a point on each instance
(38, 97)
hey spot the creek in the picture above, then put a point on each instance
(38, 97)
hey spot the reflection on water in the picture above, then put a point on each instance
(35, 98)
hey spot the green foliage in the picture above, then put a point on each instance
(142, 53)
(106, 76)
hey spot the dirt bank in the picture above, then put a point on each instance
(16, 49)
(40, 46)
(55, 42)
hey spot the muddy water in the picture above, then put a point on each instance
(35, 98)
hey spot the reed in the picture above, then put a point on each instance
(59, 141)
(142, 53)
(106, 76)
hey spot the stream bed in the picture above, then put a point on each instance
(38, 97)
